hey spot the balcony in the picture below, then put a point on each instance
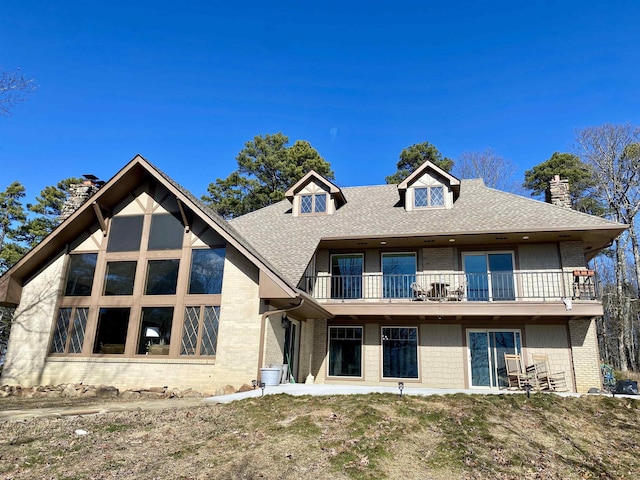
(530, 286)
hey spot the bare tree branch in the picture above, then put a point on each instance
(14, 88)
(496, 171)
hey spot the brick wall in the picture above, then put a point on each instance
(438, 259)
(274, 341)
(306, 349)
(202, 376)
(536, 257)
(237, 353)
(239, 331)
(571, 255)
(32, 326)
(550, 340)
(319, 361)
(586, 357)
(371, 353)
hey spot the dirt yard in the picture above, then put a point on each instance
(362, 437)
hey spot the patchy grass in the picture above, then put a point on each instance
(351, 437)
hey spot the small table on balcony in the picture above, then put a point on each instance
(439, 290)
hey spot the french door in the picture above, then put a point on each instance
(486, 349)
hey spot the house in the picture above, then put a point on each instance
(428, 282)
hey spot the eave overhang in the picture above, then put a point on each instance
(594, 239)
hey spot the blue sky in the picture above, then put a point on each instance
(186, 84)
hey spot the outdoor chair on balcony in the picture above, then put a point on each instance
(456, 294)
(419, 292)
(516, 374)
(546, 379)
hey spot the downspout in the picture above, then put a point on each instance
(263, 324)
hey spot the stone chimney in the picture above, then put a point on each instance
(558, 193)
(78, 194)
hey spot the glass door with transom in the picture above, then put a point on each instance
(489, 276)
(486, 356)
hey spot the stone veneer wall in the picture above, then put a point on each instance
(78, 194)
(558, 193)
(586, 356)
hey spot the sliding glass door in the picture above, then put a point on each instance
(486, 356)
(489, 276)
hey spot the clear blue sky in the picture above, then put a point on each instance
(186, 84)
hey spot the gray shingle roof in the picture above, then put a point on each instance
(289, 242)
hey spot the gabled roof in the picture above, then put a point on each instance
(422, 169)
(132, 175)
(311, 176)
(374, 212)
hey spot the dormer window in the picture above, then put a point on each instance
(429, 187)
(314, 194)
(313, 203)
(426, 197)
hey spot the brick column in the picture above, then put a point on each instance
(319, 361)
(585, 354)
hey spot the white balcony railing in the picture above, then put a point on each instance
(479, 287)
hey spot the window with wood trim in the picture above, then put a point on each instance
(207, 269)
(399, 352)
(125, 233)
(69, 331)
(425, 197)
(80, 272)
(111, 334)
(154, 337)
(162, 277)
(120, 300)
(315, 203)
(345, 351)
(119, 278)
(200, 330)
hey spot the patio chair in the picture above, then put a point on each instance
(457, 294)
(517, 376)
(548, 380)
(419, 292)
